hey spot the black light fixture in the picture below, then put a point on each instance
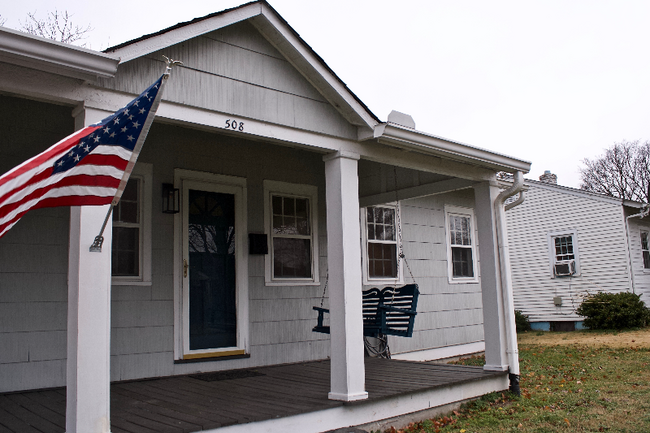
(170, 198)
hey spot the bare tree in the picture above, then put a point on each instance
(623, 172)
(2, 21)
(58, 26)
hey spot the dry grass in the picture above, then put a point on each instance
(583, 381)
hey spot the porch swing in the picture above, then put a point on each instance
(387, 311)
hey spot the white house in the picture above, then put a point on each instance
(566, 242)
(290, 189)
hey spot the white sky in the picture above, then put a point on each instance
(550, 82)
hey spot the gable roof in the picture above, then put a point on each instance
(279, 33)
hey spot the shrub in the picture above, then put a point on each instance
(613, 311)
(521, 322)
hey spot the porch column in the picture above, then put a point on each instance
(494, 328)
(344, 267)
(89, 315)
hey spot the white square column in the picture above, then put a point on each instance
(494, 328)
(344, 269)
(89, 316)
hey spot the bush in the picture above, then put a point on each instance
(521, 322)
(614, 311)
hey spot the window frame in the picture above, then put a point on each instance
(468, 213)
(370, 281)
(286, 189)
(551, 251)
(644, 251)
(144, 173)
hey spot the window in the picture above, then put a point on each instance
(564, 254)
(645, 250)
(131, 246)
(380, 250)
(461, 254)
(291, 223)
(127, 228)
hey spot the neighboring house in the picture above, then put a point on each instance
(566, 243)
(290, 189)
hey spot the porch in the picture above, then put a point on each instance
(288, 398)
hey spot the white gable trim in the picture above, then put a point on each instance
(314, 70)
(186, 32)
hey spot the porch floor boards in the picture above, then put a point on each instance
(186, 404)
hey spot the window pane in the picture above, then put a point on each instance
(382, 260)
(564, 248)
(644, 240)
(462, 264)
(460, 230)
(128, 208)
(646, 260)
(291, 258)
(126, 251)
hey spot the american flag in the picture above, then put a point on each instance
(89, 167)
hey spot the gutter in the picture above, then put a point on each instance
(34, 52)
(410, 139)
(644, 213)
(512, 350)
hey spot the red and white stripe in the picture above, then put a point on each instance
(31, 185)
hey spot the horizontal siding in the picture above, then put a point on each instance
(641, 275)
(237, 71)
(601, 247)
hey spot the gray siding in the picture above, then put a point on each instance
(281, 318)
(599, 224)
(448, 314)
(33, 259)
(236, 71)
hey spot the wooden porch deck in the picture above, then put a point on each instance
(210, 401)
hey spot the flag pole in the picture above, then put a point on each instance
(96, 246)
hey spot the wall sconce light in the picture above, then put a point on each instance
(170, 198)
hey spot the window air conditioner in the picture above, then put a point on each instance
(566, 268)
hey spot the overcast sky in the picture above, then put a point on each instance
(550, 82)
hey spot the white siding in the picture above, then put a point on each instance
(641, 275)
(601, 245)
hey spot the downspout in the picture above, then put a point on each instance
(644, 213)
(512, 350)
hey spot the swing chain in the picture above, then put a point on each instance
(322, 298)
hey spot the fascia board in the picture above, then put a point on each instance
(409, 139)
(303, 58)
(183, 33)
(34, 52)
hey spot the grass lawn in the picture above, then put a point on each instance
(583, 381)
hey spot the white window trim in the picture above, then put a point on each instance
(367, 281)
(297, 190)
(145, 173)
(647, 232)
(465, 212)
(184, 179)
(551, 250)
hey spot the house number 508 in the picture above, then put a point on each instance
(234, 125)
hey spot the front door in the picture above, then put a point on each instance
(211, 269)
(211, 254)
